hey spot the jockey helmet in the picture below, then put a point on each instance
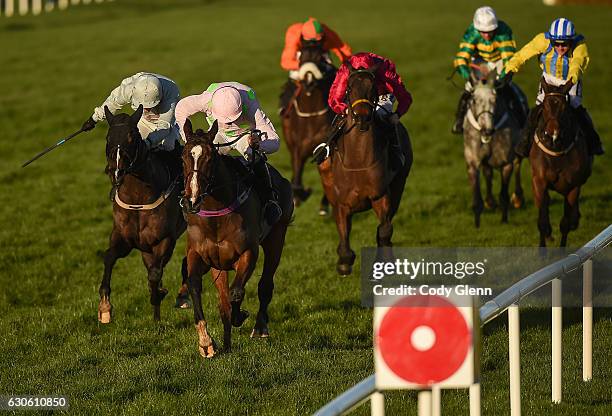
(226, 104)
(561, 29)
(147, 91)
(485, 19)
(312, 29)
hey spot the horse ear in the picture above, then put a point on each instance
(213, 131)
(374, 68)
(188, 129)
(568, 86)
(545, 86)
(349, 66)
(135, 118)
(109, 116)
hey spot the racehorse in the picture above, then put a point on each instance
(224, 233)
(559, 161)
(146, 211)
(358, 175)
(490, 133)
(308, 116)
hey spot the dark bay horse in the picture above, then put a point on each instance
(559, 160)
(146, 211)
(490, 134)
(357, 176)
(224, 233)
(308, 116)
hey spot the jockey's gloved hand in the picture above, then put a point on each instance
(394, 118)
(89, 124)
(148, 144)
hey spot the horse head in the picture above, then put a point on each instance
(484, 99)
(312, 57)
(199, 156)
(362, 95)
(555, 106)
(124, 145)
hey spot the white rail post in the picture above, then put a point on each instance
(86, 1)
(377, 404)
(514, 352)
(36, 7)
(587, 320)
(557, 327)
(23, 7)
(9, 8)
(62, 4)
(49, 6)
(475, 399)
(436, 401)
(424, 403)
(75, 2)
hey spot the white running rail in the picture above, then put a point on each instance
(509, 300)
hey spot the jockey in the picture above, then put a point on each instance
(563, 57)
(388, 83)
(489, 40)
(158, 95)
(311, 31)
(236, 110)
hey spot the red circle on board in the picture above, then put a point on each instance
(446, 355)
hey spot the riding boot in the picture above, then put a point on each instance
(523, 147)
(265, 189)
(286, 95)
(461, 110)
(592, 137)
(515, 104)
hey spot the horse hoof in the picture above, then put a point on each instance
(207, 351)
(104, 317)
(517, 201)
(260, 333)
(344, 269)
(550, 238)
(105, 311)
(182, 302)
(490, 203)
(323, 212)
(297, 202)
(238, 320)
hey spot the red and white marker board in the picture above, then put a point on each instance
(422, 341)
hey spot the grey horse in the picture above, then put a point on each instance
(490, 133)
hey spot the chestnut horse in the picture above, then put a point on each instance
(357, 176)
(559, 160)
(308, 116)
(224, 233)
(146, 211)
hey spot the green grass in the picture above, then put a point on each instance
(55, 216)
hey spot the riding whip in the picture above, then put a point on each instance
(48, 149)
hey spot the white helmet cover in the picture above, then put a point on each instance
(147, 91)
(485, 19)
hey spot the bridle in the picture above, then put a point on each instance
(121, 152)
(364, 124)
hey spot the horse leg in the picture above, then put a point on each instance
(490, 202)
(518, 198)
(571, 215)
(244, 269)
(346, 256)
(384, 232)
(504, 200)
(182, 299)
(297, 163)
(273, 249)
(542, 200)
(195, 270)
(477, 205)
(324, 206)
(155, 263)
(221, 283)
(118, 248)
